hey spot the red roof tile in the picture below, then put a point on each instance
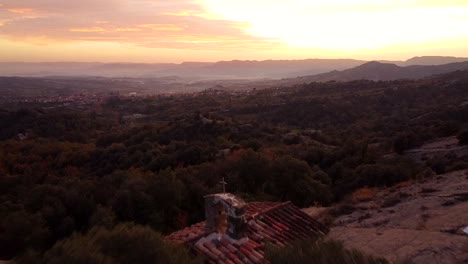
(277, 223)
(188, 233)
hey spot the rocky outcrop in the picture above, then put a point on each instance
(422, 222)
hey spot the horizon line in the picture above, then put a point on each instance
(184, 62)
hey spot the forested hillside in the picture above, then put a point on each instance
(150, 160)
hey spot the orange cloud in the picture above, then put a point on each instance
(175, 24)
(183, 13)
(86, 30)
(128, 29)
(4, 21)
(138, 28)
(22, 11)
(194, 13)
(162, 27)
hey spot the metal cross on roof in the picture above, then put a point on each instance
(223, 182)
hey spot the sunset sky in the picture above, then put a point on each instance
(213, 30)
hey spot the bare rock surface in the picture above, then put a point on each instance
(439, 148)
(401, 244)
(422, 221)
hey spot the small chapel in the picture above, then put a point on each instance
(236, 232)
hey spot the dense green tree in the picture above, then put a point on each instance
(294, 180)
(125, 243)
(250, 172)
(20, 231)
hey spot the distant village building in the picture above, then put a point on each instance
(236, 232)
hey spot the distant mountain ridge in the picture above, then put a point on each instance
(377, 71)
(274, 69)
(426, 61)
(236, 69)
(432, 60)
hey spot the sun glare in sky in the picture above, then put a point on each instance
(212, 30)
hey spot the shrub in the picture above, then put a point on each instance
(404, 141)
(380, 175)
(463, 137)
(438, 165)
(364, 194)
(252, 143)
(392, 201)
(342, 209)
(458, 165)
(318, 252)
(126, 243)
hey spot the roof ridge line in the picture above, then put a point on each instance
(280, 205)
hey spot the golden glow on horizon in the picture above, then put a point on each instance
(212, 30)
(348, 24)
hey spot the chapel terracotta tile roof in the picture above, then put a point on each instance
(276, 223)
(187, 234)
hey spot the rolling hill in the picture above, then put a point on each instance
(377, 71)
